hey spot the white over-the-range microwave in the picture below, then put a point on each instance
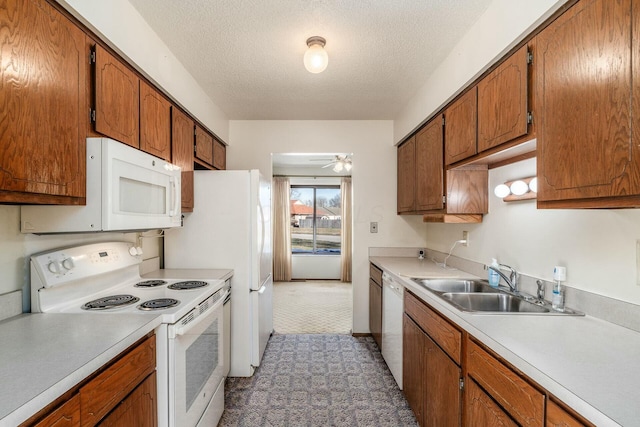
(127, 190)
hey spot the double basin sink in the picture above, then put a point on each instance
(476, 296)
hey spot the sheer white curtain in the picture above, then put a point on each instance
(346, 232)
(281, 230)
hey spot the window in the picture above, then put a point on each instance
(315, 219)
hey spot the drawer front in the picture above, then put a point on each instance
(375, 273)
(558, 417)
(106, 390)
(523, 402)
(67, 415)
(442, 332)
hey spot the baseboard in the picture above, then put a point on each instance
(360, 334)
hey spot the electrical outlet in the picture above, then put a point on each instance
(373, 227)
(465, 237)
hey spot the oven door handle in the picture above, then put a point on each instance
(183, 330)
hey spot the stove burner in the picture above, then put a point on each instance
(150, 283)
(112, 301)
(190, 284)
(158, 304)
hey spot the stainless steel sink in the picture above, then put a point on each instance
(455, 285)
(495, 303)
(476, 296)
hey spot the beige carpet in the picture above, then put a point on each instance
(312, 307)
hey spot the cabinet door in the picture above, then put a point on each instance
(182, 154)
(429, 167)
(67, 415)
(117, 99)
(137, 409)
(558, 417)
(442, 405)
(414, 351)
(204, 147)
(375, 311)
(155, 122)
(219, 155)
(461, 130)
(583, 85)
(406, 176)
(482, 410)
(503, 102)
(42, 106)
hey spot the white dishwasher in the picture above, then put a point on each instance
(392, 310)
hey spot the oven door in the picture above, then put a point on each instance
(196, 361)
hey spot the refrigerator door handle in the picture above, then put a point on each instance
(263, 287)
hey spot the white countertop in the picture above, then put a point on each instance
(591, 365)
(44, 355)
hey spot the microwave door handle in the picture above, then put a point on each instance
(174, 202)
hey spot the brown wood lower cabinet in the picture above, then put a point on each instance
(66, 415)
(430, 378)
(435, 352)
(375, 304)
(138, 409)
(482, 410)
(123, 393)
(375, 311)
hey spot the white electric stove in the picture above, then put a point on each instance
(105, 278)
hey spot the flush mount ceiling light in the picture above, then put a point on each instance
(316, 58)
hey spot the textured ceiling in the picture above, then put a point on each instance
(247, 54)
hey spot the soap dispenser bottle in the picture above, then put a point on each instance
(494, 277)
(557, 298)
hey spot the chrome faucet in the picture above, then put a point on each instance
(512, 280)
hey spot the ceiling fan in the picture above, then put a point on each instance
(339, 163)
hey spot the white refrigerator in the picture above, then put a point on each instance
(230, 228)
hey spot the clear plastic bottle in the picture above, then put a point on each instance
(494, 277)
(557, 297)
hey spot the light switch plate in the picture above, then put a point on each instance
(373, 227)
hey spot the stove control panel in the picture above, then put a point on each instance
(62, 266)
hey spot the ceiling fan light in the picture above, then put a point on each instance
(316, 58)
(348, 166)
(338, 167)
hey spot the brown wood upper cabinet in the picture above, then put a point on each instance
(155, 122)
(406, 176)
(182, 140)
(503, 102)
(461, 118)
(423, 188)
(117, 100)
(429, 167)
(219, 155)
(587, 89)
(42, 137)
(203, 148)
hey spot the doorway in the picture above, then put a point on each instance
(314, 297)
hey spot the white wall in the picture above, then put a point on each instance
(501, 27)
(119, 24)
(16, 248)
(324, 267)
(373, 177)
(598, 247)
